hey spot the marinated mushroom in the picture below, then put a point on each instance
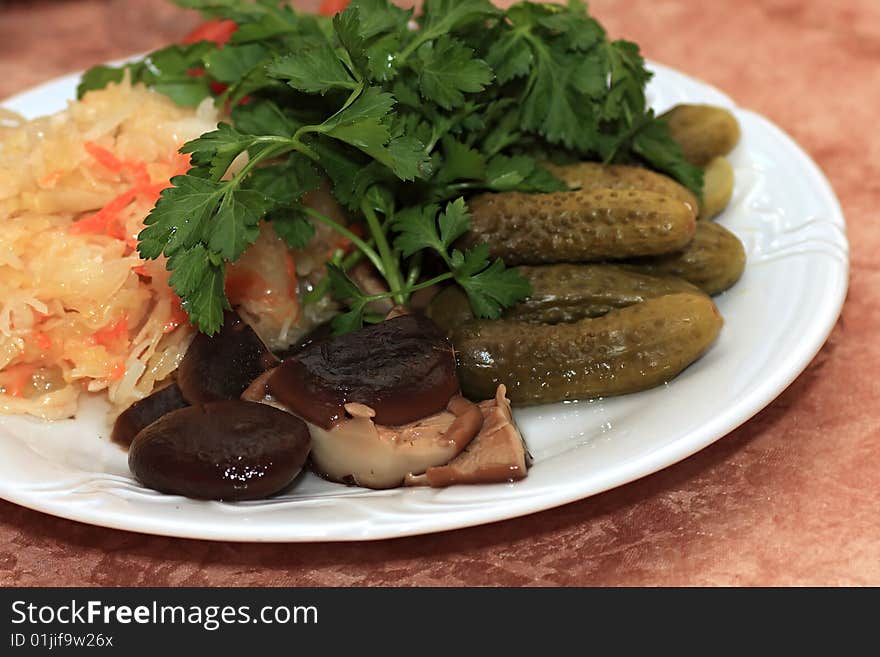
(224, 365)
(403, 369)
(380, 403)
(226, 450)
(497, 454)
(318, 334)
(146, 411)
(359, 451)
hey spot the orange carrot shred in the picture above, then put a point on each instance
(42, 340)
(104, 157)
(105, 221)
(117, 371)
(51, 179)
(112, 333)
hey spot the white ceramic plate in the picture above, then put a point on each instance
(777, 318)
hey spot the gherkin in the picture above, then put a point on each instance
(627, 350)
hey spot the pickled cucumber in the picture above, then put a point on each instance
(564, 293)
(717, 188)
(704, 131)
(713, 261)
(579, 226)
(593, 175)
(627, 350)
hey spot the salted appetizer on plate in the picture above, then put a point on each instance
(352, 243)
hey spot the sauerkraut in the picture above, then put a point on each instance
(79, 309)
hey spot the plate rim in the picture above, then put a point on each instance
(760, 396)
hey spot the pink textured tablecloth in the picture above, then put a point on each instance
(790, 498)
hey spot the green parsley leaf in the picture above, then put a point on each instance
(199, 282)
(178, 220)
(493, 289)
(234, 226)
(262, 116)
(362, 125)
(552, 105)
(510, 57)
(316, 70)
(444, 16)
(344, 289)
(454, 222)
(347, 25)
(349, 321)
(448, 70)
(217, 149)
(341, 285)
(417, 228)
(294, 227)
(285, 183)
(378, 17)
(520, 172)
(654, 143)
(461, 162)
(167, 70)
(372, 104)
(231, 63)
(471, 101)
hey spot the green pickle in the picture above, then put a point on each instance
(580, 226)
(594, 175)
(624, 351)
(564, 293)
(703, 131)
(717, 188)
(714, 261)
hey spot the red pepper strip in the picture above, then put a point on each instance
(178, 316)
(217, 30)
(330, 7)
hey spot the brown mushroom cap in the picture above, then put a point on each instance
(224, 365)
(146, 411)
(318, 334)
(403, 369)
(226, 450)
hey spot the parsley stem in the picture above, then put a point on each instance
(365, 248)
(414, 270)
(323, 286)
(271, 151)
(409, 289)
(391, 270)
(428, 283)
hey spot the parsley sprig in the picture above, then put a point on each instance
(405, 123)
